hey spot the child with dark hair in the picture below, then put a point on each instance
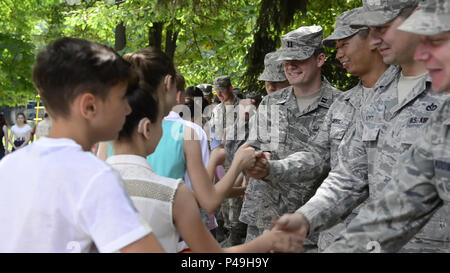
(153, 68)
(192, 92)
(182, 152)
(3, 135)
(166, 203)
(73, 201)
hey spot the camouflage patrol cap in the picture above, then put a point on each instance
(273, 69)
(380, 12)
(222, 82)
(206, 88)
(342, 29)
(432, 18)
(301, 43)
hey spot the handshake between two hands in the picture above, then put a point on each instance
(255, 163)
(292, 230)
(289, 231)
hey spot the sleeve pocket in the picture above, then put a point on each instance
(370, 133)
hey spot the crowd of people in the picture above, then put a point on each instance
(306, 168)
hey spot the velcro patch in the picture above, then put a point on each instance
(336, 121)
(442, 165)
(418, 120)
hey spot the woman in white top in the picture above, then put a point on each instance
(167, 204)
(20, 132)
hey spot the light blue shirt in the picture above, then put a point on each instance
(168, 159)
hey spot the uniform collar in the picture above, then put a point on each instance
(423, 86)
(391, 73)
(355, 95)
(288, 98)
(235, 102)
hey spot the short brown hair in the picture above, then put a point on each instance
(180, 82)
(318, 51)
(68, 67)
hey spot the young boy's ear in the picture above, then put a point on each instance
(87, 105)
(167, 82)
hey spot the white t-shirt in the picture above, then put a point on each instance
(20, 132)
(54, 197)
(153, 196)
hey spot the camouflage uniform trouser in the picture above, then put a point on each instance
(230, 210)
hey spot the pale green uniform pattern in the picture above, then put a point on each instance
(423, 183)
(264, 201)
(368, 155)
(419, 193)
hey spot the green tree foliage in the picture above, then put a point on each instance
(207, 38)
(273, 17)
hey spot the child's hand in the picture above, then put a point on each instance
(261, 168)
(284, 241)
(218, 156)
(245, 157)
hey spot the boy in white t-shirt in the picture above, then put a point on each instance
(55, 195)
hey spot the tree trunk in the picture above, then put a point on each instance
(121, 37)
(171, 42)
(155, 35)
(120, 33)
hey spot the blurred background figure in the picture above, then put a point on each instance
(20, 132)
(238, 92)
(3, 136)
(273, 74)
(43, 127)
(191, 92)
(207, 91)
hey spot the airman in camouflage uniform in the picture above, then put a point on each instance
(224, 119)
(273, 74)
(385, 129)
(280, 128)
(323, 153)
(351, 44)
(422, 187)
